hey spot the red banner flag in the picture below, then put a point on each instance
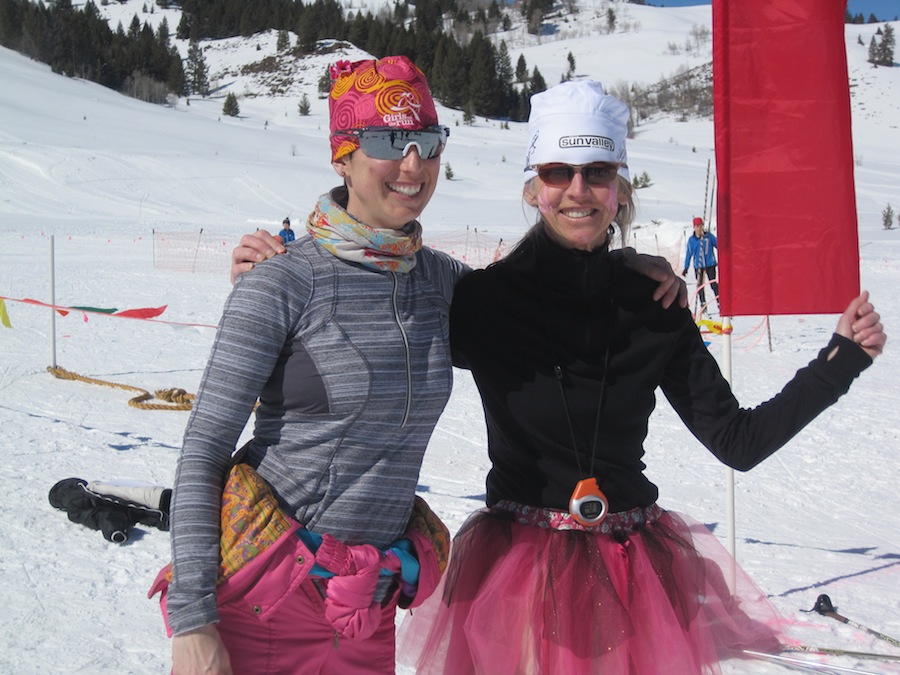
(786, 205)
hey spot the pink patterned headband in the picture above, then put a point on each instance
(389, 92)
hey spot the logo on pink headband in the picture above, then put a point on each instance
(407, 106)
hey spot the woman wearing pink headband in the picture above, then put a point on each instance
(299, 564)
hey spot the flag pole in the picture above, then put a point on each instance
(731, 521)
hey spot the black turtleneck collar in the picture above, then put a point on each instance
(588, 271)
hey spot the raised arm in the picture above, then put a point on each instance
(862, 324)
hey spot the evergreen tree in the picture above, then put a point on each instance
(483, 85)
(537, 84)
(429, 15)
(231, 107)
(308, 33)
(175, 79)
(873, 50)
(283, 42)
(468, 115)
(504, 68)
(521, 69)
(449, 73)
(183, 31)
(886, 47)
(571, 60)
(197, 72)
(399, 43)
(881, 52)
(358, 30)
(134, 28)
(887, 217)
(303, 107)
(324, 86)
(162, 33)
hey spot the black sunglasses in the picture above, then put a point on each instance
(596, 174)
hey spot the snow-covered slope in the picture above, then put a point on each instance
(101, 172)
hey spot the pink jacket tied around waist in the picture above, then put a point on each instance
(349, 597)
(352, 573)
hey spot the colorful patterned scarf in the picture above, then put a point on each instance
(345, 237)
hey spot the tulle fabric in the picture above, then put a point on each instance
(647, 596)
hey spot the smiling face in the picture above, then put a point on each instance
(388, 193)
(577, 216)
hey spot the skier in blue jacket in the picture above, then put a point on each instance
(286, 234)
(701, 249)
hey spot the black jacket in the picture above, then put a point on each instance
(548, 316)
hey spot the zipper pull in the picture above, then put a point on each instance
(558, 373)
(335, 639)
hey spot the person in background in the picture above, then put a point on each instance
(286, 233)
(573, 567)
(701, 249)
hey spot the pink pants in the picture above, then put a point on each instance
(272, 620)
(297, 639)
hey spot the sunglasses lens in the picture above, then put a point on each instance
(556, 175)
(599, 174)
(395, 144)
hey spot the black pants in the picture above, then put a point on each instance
(704, 273)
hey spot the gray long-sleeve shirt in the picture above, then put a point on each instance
(352, 367)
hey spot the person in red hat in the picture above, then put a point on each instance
(701, 249)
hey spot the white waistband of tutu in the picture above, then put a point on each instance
(552, 519)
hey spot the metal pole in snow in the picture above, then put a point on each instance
(52, 301)
(729, 474)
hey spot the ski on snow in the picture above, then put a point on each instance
(805, 664)
(834, 651)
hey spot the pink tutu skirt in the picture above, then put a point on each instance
(530, 592)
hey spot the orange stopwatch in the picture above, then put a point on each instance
(588, 505)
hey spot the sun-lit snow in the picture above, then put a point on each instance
(101, 173)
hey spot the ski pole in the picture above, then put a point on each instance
(825, 607)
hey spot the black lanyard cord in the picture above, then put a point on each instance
(559, 373)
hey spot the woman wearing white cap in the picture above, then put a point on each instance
(573, 567)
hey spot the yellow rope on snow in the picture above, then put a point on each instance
(178, 399)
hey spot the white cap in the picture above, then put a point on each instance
(576, 123)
